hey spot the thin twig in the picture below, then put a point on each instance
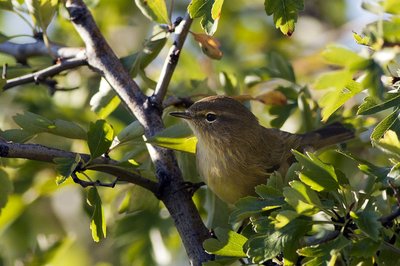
(43, 74)
(171, 62)
(47, 154)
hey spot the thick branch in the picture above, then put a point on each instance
(177, 200)
(23, 51)
(171, 61)
(43, 74)
(46, 154)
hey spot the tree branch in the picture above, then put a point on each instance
(171, 61)
(177, 200)
(43, 74)
(46, 154)
(23, 51)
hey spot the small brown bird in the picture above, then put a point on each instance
(235, 153)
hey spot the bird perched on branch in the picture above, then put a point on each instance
(235, 153)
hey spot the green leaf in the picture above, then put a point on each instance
(302, 198)
(368, 222)
(228, 243)
(230, 83)
(279, 67)
(284, 13)
(263, 247)
(17, 135)
(6, 188)
(100, 137)
(390, 143)
(362, 40)
(140, 60)
(97, 223)
(6, 5)
(389, 122)
(42, 11)
(333, 100)
(155, 10)
(67, 129)
(204, 9)
(391, 29)
(131, 132)
(334, 79)
(249, 206)
(33, 123)
(391, 6)
(318, 175)
(105, 101)
(216, 9)
(268, 192)
(372, 106)
(65, 167)
(341, 56)
(372, 80)
(364, 247)
(324, 249)
(176, 138)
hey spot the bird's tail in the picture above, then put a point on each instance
(328, 135)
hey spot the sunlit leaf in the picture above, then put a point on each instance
(105, 101)
(209, 45)
(318, 175)
(389, 122)
(334, 79)
(341, 56)
(390, 143)
(324, 249)
(333, 100)
(97, 223)
(100, 137)
(42, 11)
(204, 9)
(226, 243)
(302, 198)
(285, 13)
(177, 137)
(362, 40)
(154, 10)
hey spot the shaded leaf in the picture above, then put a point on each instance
(65, 167)
(155, 10)
(17, 135)
(368, 222)
(284, 13)
(249, 206)
(67, 129)
(364, 247)
(372, 106)
(227, 243)
(42, 11)
(97, 223)
(279, 67)
(100, 137)
(6, 188)
(6, 5)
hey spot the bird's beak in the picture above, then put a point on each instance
(184, 115)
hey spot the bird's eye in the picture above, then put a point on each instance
(210, 117)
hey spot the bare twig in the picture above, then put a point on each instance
(43, 74)
(178, 201)
(23, 51)
(46, 154)
(171, 62)
(84, 183)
